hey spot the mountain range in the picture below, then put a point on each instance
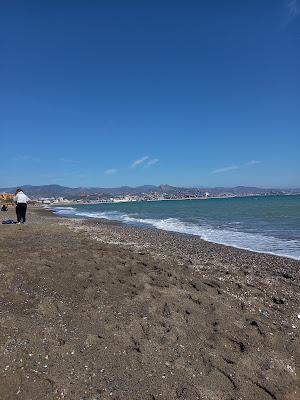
(68, 192)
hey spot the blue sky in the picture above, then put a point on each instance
(110, 93)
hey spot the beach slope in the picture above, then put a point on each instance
(95, 310)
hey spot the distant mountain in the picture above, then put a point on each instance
(68, 192)
(59, 191)
(168, 188)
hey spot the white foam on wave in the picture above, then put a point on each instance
(59, 210)
(64, 210)
(243, 240)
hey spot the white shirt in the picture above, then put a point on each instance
(21, 198)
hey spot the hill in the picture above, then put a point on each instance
(68, 192)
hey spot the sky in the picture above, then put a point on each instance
(130, 92)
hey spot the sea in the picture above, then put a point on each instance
(266, 224)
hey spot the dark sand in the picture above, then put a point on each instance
(97, 310)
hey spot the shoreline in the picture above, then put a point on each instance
(96, 309)
(125, 231)
(180, 199)
(170, 231)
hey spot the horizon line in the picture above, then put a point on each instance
(163, 184)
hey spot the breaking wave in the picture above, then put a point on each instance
(243, 240)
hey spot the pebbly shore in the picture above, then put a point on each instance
(91, 309)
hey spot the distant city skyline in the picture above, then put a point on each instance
(188, 93)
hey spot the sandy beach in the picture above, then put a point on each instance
(91, 309)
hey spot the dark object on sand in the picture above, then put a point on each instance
(8, 222)
(4, 207)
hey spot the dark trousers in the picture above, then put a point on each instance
(21, 212)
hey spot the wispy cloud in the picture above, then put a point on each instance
(21, 157)
(139, 161)
(292, 11)
(252, 162)
(234, 167)
(225, 169)
(152, 162)
(68, 160)
(110, 171)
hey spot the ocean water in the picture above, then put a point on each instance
(267, 224)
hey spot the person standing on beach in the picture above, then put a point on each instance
(21, 200)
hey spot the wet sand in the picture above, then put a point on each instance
(97, 310)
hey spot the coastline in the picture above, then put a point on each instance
(179, 199)
(148, 314)
(256, 242)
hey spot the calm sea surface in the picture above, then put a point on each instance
(268, 224)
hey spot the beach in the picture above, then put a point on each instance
(94, 309)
